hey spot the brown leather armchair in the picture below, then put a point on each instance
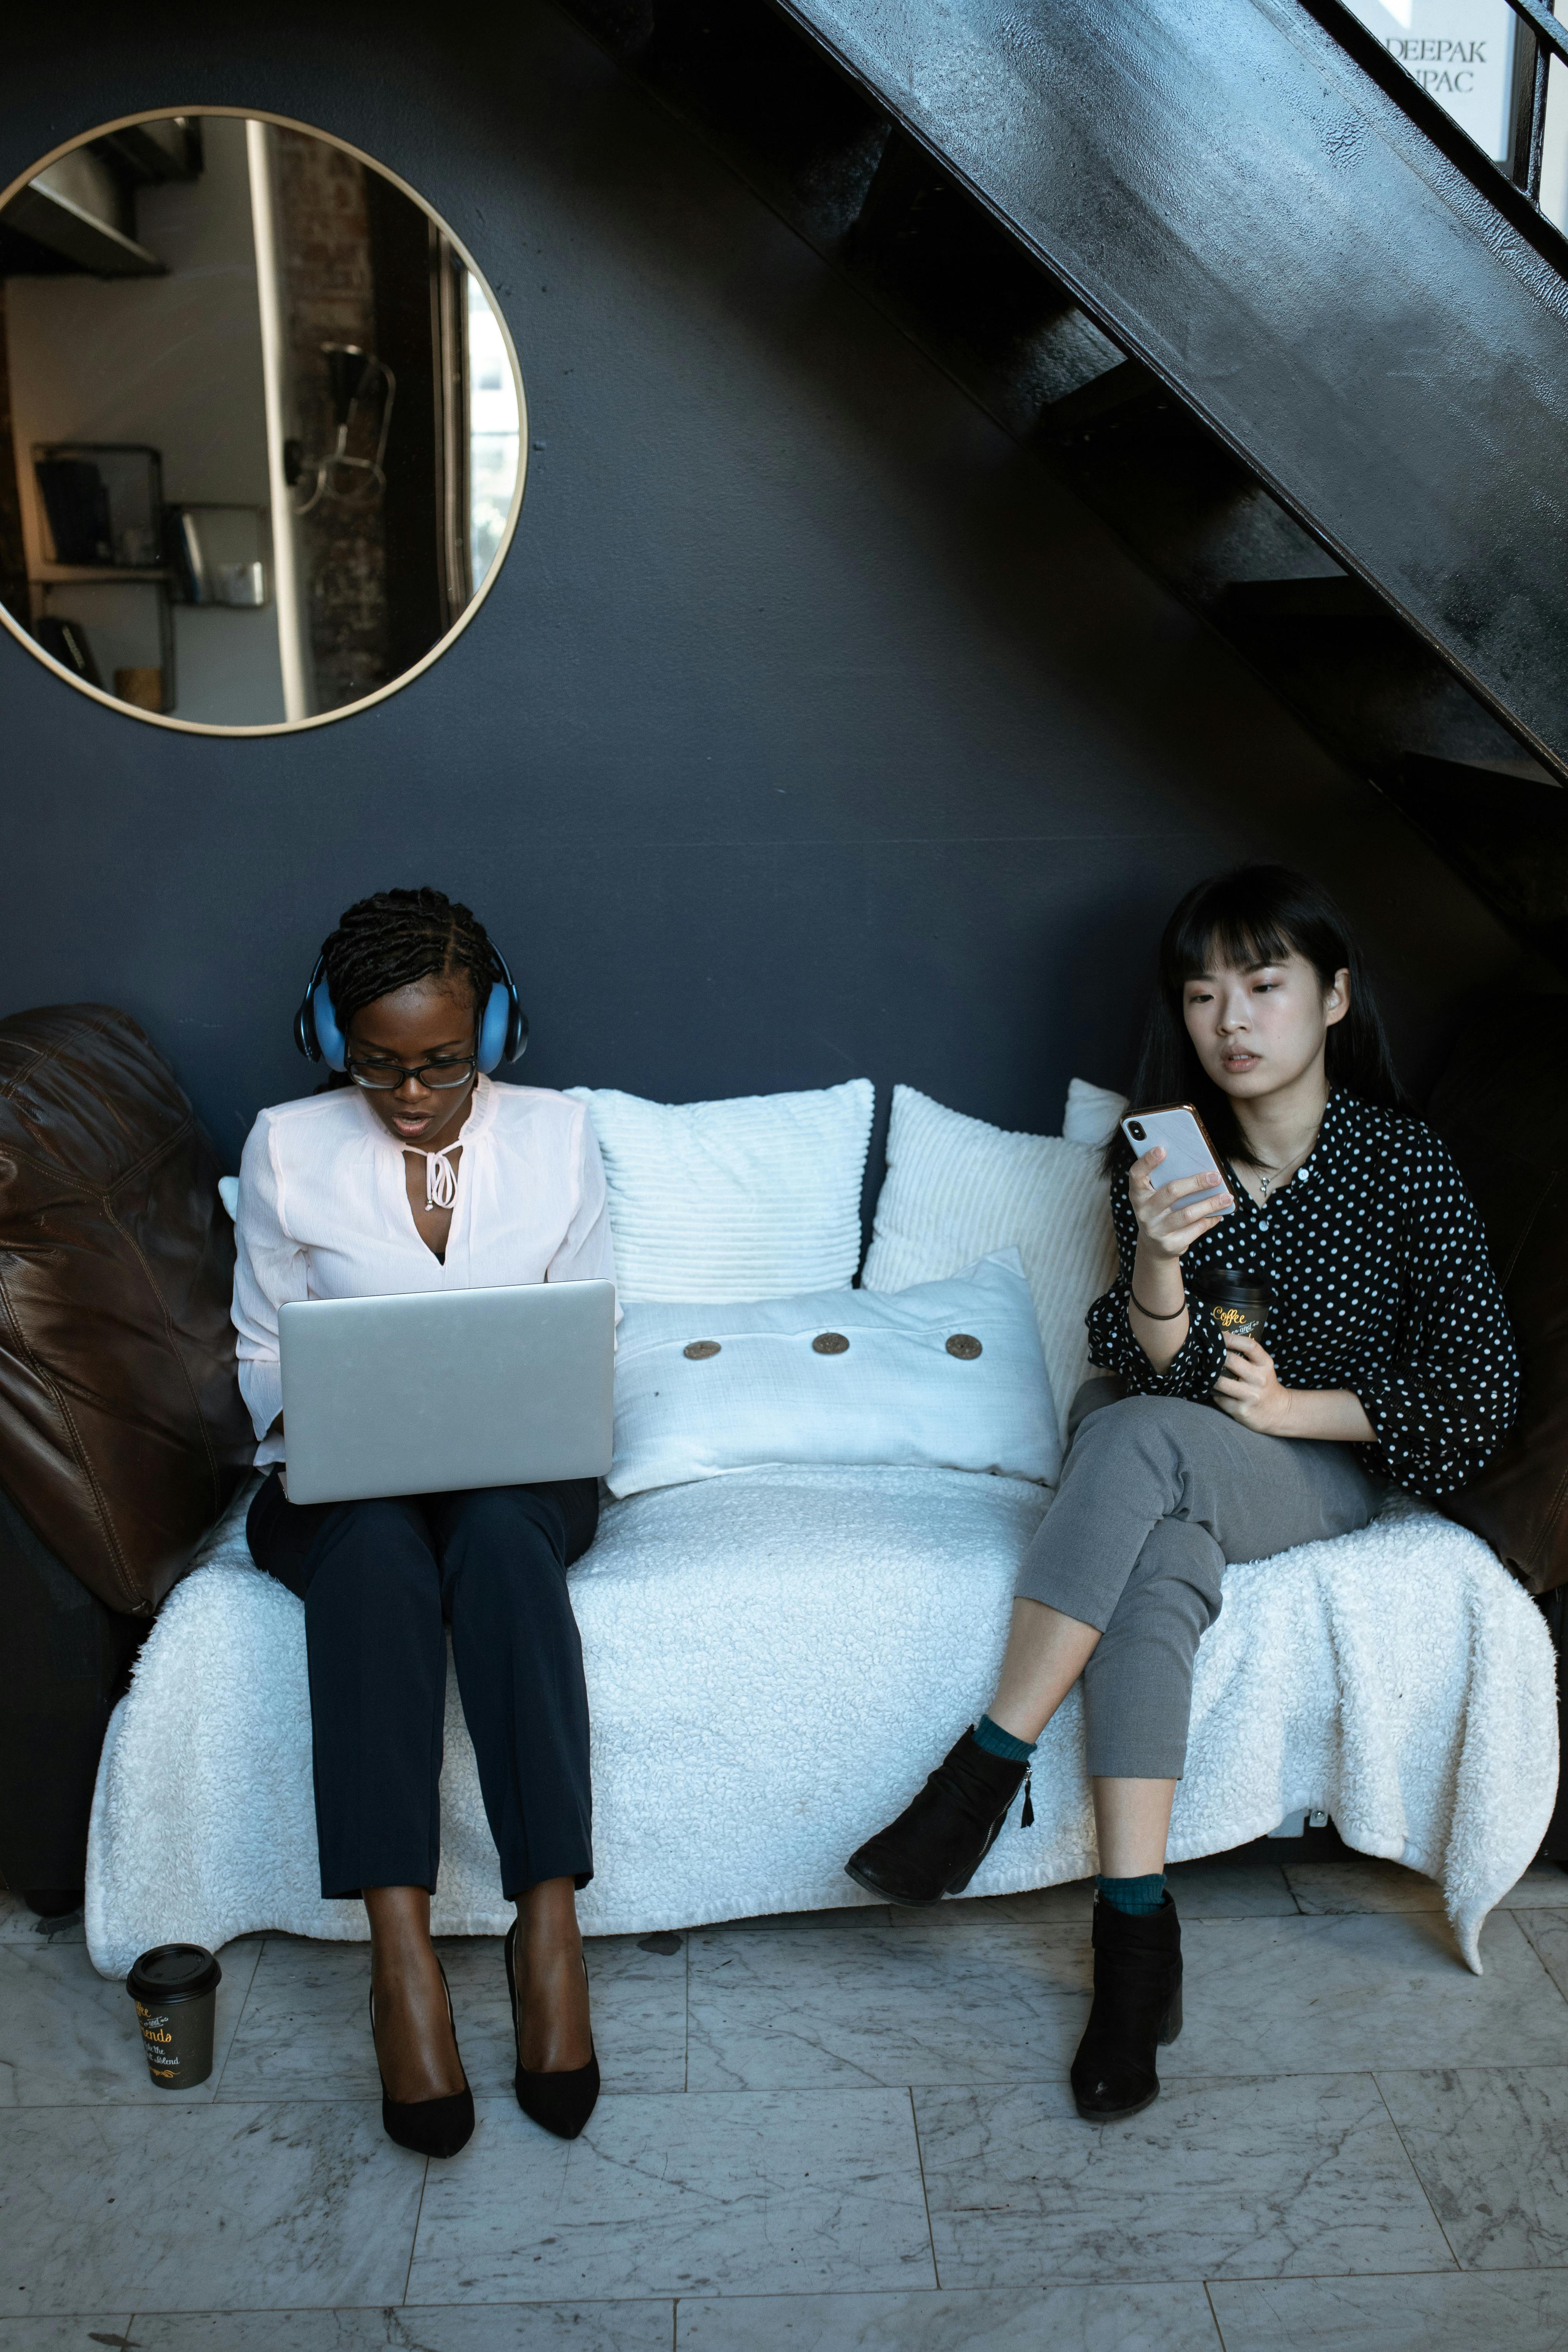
(122, 1434)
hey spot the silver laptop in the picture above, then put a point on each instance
(445, 1390)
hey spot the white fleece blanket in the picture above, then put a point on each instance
(776, 1658)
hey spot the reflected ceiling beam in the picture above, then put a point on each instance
(67, 232)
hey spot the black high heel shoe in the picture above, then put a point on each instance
(429, 2126)
(1137, 2010)
(563, 2102)
(942, 1836)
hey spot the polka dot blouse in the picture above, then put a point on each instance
(1381, 1285)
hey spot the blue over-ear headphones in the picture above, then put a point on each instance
(503, 1031)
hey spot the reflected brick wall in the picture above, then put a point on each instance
(328, 297)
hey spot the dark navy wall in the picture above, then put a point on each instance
(809, 731)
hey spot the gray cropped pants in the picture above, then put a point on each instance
(1156, 1496)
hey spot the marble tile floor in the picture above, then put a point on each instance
(833, 2130)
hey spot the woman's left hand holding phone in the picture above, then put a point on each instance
(1169, 1222)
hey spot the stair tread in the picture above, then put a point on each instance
(1314, 597)
(1129, 384)
(1523, 770)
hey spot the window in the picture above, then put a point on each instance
(494, 454)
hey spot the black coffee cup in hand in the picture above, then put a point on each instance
(175, 1987)
(1240, 1302)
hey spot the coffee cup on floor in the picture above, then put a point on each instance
(1240, 1302)
(175, 1987)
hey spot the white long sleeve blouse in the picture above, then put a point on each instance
(324, 1213)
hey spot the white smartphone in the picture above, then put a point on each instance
(1188, 1152)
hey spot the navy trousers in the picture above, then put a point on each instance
(381, 1581)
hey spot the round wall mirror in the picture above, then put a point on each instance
(262, 433)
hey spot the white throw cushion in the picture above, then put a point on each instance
(754, 1197)
(956, 1188)
(1091, 1112)
(949, 1374)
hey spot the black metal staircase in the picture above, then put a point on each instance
(1239, 278)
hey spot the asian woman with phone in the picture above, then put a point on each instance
(1389, 1360)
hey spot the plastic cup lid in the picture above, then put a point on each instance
(174, 1972)
(1213, 1279)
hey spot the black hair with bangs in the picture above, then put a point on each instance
(1254, 914)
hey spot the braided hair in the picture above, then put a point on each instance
(401, 936)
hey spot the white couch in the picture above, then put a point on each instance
(777, 1656)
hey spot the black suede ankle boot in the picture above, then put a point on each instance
(1137, 2008)
(939, 1841)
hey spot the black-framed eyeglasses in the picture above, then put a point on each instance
(442, 1074)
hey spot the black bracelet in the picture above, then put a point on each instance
(1152, 1317)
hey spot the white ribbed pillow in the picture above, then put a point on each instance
(1091, 1112)
(757, 1197)
(957, 1188)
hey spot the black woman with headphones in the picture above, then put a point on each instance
(411, 1171)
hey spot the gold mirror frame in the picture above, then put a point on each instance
(366, 702)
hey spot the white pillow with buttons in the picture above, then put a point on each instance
(948, 1374)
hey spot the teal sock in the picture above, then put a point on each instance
(997, 1742)
(1136, 1896)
